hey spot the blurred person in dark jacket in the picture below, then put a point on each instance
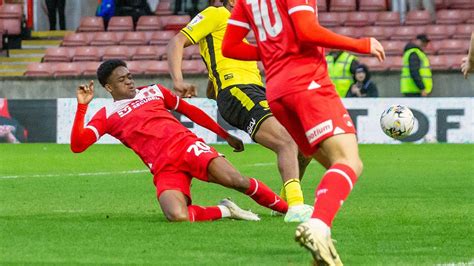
(134, 8)
(363, 86)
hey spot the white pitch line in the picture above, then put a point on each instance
(77, 174)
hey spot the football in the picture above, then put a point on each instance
(397, 121)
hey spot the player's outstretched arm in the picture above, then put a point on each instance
(467, 63)
(200, 117)
(233, 45)
(308, 29)
(175, 50)
(82, 138)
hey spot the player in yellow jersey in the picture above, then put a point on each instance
(238, 89)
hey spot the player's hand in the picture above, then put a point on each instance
(85, 93)
(466, 66)
(185, 90)
(235, 143)
(376, 49)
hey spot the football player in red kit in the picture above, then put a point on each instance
(141, 120)
(301, 96)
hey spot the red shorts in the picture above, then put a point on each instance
(191, 162)
(311, 116)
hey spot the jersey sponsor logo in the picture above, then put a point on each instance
(251, 126)
(318, 131)
(228, 76)
(136, 104)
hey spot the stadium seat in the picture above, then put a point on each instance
(90, 68)
(106, 38)
(175, 23)
(149, 23)
(460, 4)
(394, 62)
(87, 53)
(393, 47)
(342, 5)
(373, 64)
(67, 69)
(347, 31)
(134, 38)
(357, 19)
(135, 67)
(433, 47)
(463, 31)
(162, 37)
(11, 11)
(91, 24)
(439, 62)
(58, 54)
(118, 52)
(149, 52)
(388, 19)
(453, 47)
(450, 17)
(405, 33)
(39, 70)
(418, 17)
(322, 6)
(163, 8)
(191, 52)
(469, 16)
(155, 67)
(193, 67)
(439, 32)
(377, 32)
(10, 26)
(331, 19)
(454, 61)
(1, 38)
(372, 5)
(75, 39)
(119, 23)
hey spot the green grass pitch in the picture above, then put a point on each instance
(414, 205)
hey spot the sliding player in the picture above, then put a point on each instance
(302, 97)
(140, 119)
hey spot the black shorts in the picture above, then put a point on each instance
(244, 107)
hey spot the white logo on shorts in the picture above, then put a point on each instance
(250, 126)
(313, 85)
(318, 131)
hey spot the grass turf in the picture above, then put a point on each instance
(412, 206)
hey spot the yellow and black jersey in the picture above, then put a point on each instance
(208, 29)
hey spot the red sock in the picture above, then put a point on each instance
(334, 188)
(264, 196)
(198, 213)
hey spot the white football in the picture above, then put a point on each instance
(397, 121)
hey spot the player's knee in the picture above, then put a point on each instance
(177, 215)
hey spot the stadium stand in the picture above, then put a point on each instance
(144, 46)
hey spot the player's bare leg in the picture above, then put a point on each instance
(342, 152)
(175, 206)
(222, 172)
(274, 136)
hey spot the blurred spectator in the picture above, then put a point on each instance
(10, 130)
(53, 6)
(416, 79)
(341, 68)
(106, 10)
(363, 86)
(180, 8)
(134, 8)
(400, 6)
(428, 5)
(467, 64)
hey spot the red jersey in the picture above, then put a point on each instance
(143, 124)
(285, 58)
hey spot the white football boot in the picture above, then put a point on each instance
(237, 213)
(299, 213)
(317, 239)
